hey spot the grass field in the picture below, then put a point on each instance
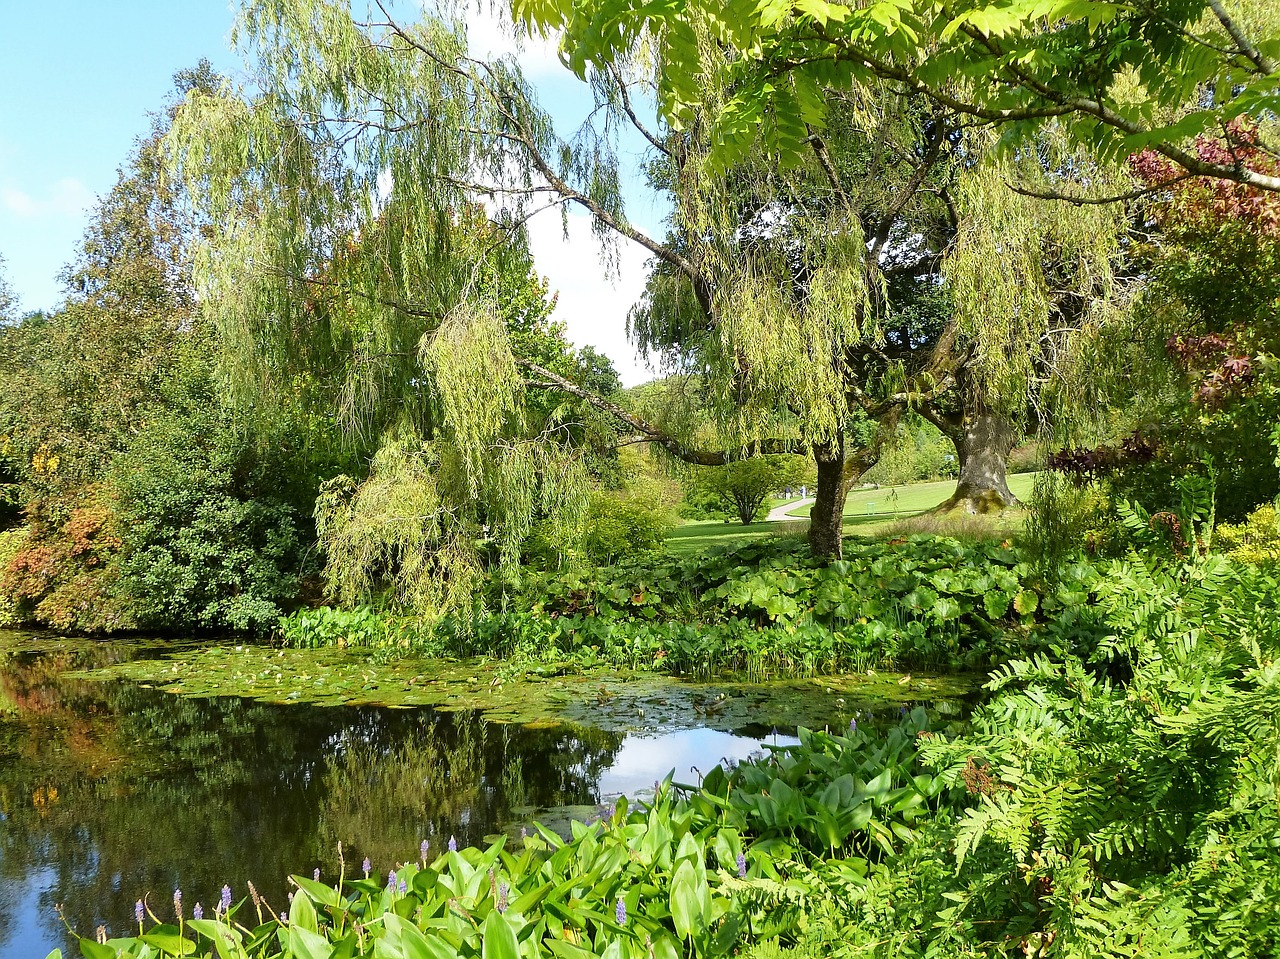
(699, 535)
(866, 513)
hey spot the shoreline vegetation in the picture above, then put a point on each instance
(1148, 803)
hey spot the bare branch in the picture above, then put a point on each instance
(1077, 200)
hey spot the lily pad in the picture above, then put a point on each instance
(604, 699)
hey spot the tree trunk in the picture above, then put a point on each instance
(826, 518)
(983, 445)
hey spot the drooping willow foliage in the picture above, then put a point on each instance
(787, 285)
(1035, 283)
(352, 267)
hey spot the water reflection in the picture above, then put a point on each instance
(109, 791)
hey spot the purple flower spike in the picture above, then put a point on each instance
(225, 901)
(197, 912)
(368, 867)
(503, 890)
(621, 912)
(853, 725)
(423, 850)
(391, 879)
(138, 911)
(453, 844)
(316, 875)
(742, 866)
(284, 918)
(177, 903)
(402, 887)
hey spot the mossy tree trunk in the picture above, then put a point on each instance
(983, 442)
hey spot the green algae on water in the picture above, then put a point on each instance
(505, 692)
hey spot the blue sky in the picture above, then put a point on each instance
(80, 77)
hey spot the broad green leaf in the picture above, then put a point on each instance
(499, 938)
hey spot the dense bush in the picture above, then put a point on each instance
(63, 566)
(1256, 540)
(618, 528)
(207, 541)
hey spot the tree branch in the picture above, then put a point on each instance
(1075, 200)
(1243, 44)
(648, 432)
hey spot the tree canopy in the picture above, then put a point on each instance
(1122, 76)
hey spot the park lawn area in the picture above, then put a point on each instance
(872, 512)
(700, 535)
(913, 497)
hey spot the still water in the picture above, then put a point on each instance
(111, 791)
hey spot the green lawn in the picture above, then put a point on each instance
(866, 513)
(912, 498)
(699, 535)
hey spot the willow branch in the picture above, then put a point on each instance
(648, 432)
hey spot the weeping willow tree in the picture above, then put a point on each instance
(352, 268)
(1029, 281)
(893, 269)
(791, 302)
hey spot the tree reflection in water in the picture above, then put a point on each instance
(109, 791)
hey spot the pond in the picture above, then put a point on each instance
(113, 790)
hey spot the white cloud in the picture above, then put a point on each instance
(592, 304)
(491, 33)
(67, 197)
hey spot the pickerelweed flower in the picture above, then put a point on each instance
(620, 913)
(402, 887)
(742, 866)
(197, 912)
(423, 850)
(853, 725)
(391, 880)
(139, 911)
(503, 890)
(316, 875)
(368, 867)
(225, 901)
(453, 844)
(177, 903)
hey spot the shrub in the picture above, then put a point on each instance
(1256, 540)
(1065, 519)
(64, 567)
(620, 528)
(204, 542)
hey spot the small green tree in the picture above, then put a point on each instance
(740, 489)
